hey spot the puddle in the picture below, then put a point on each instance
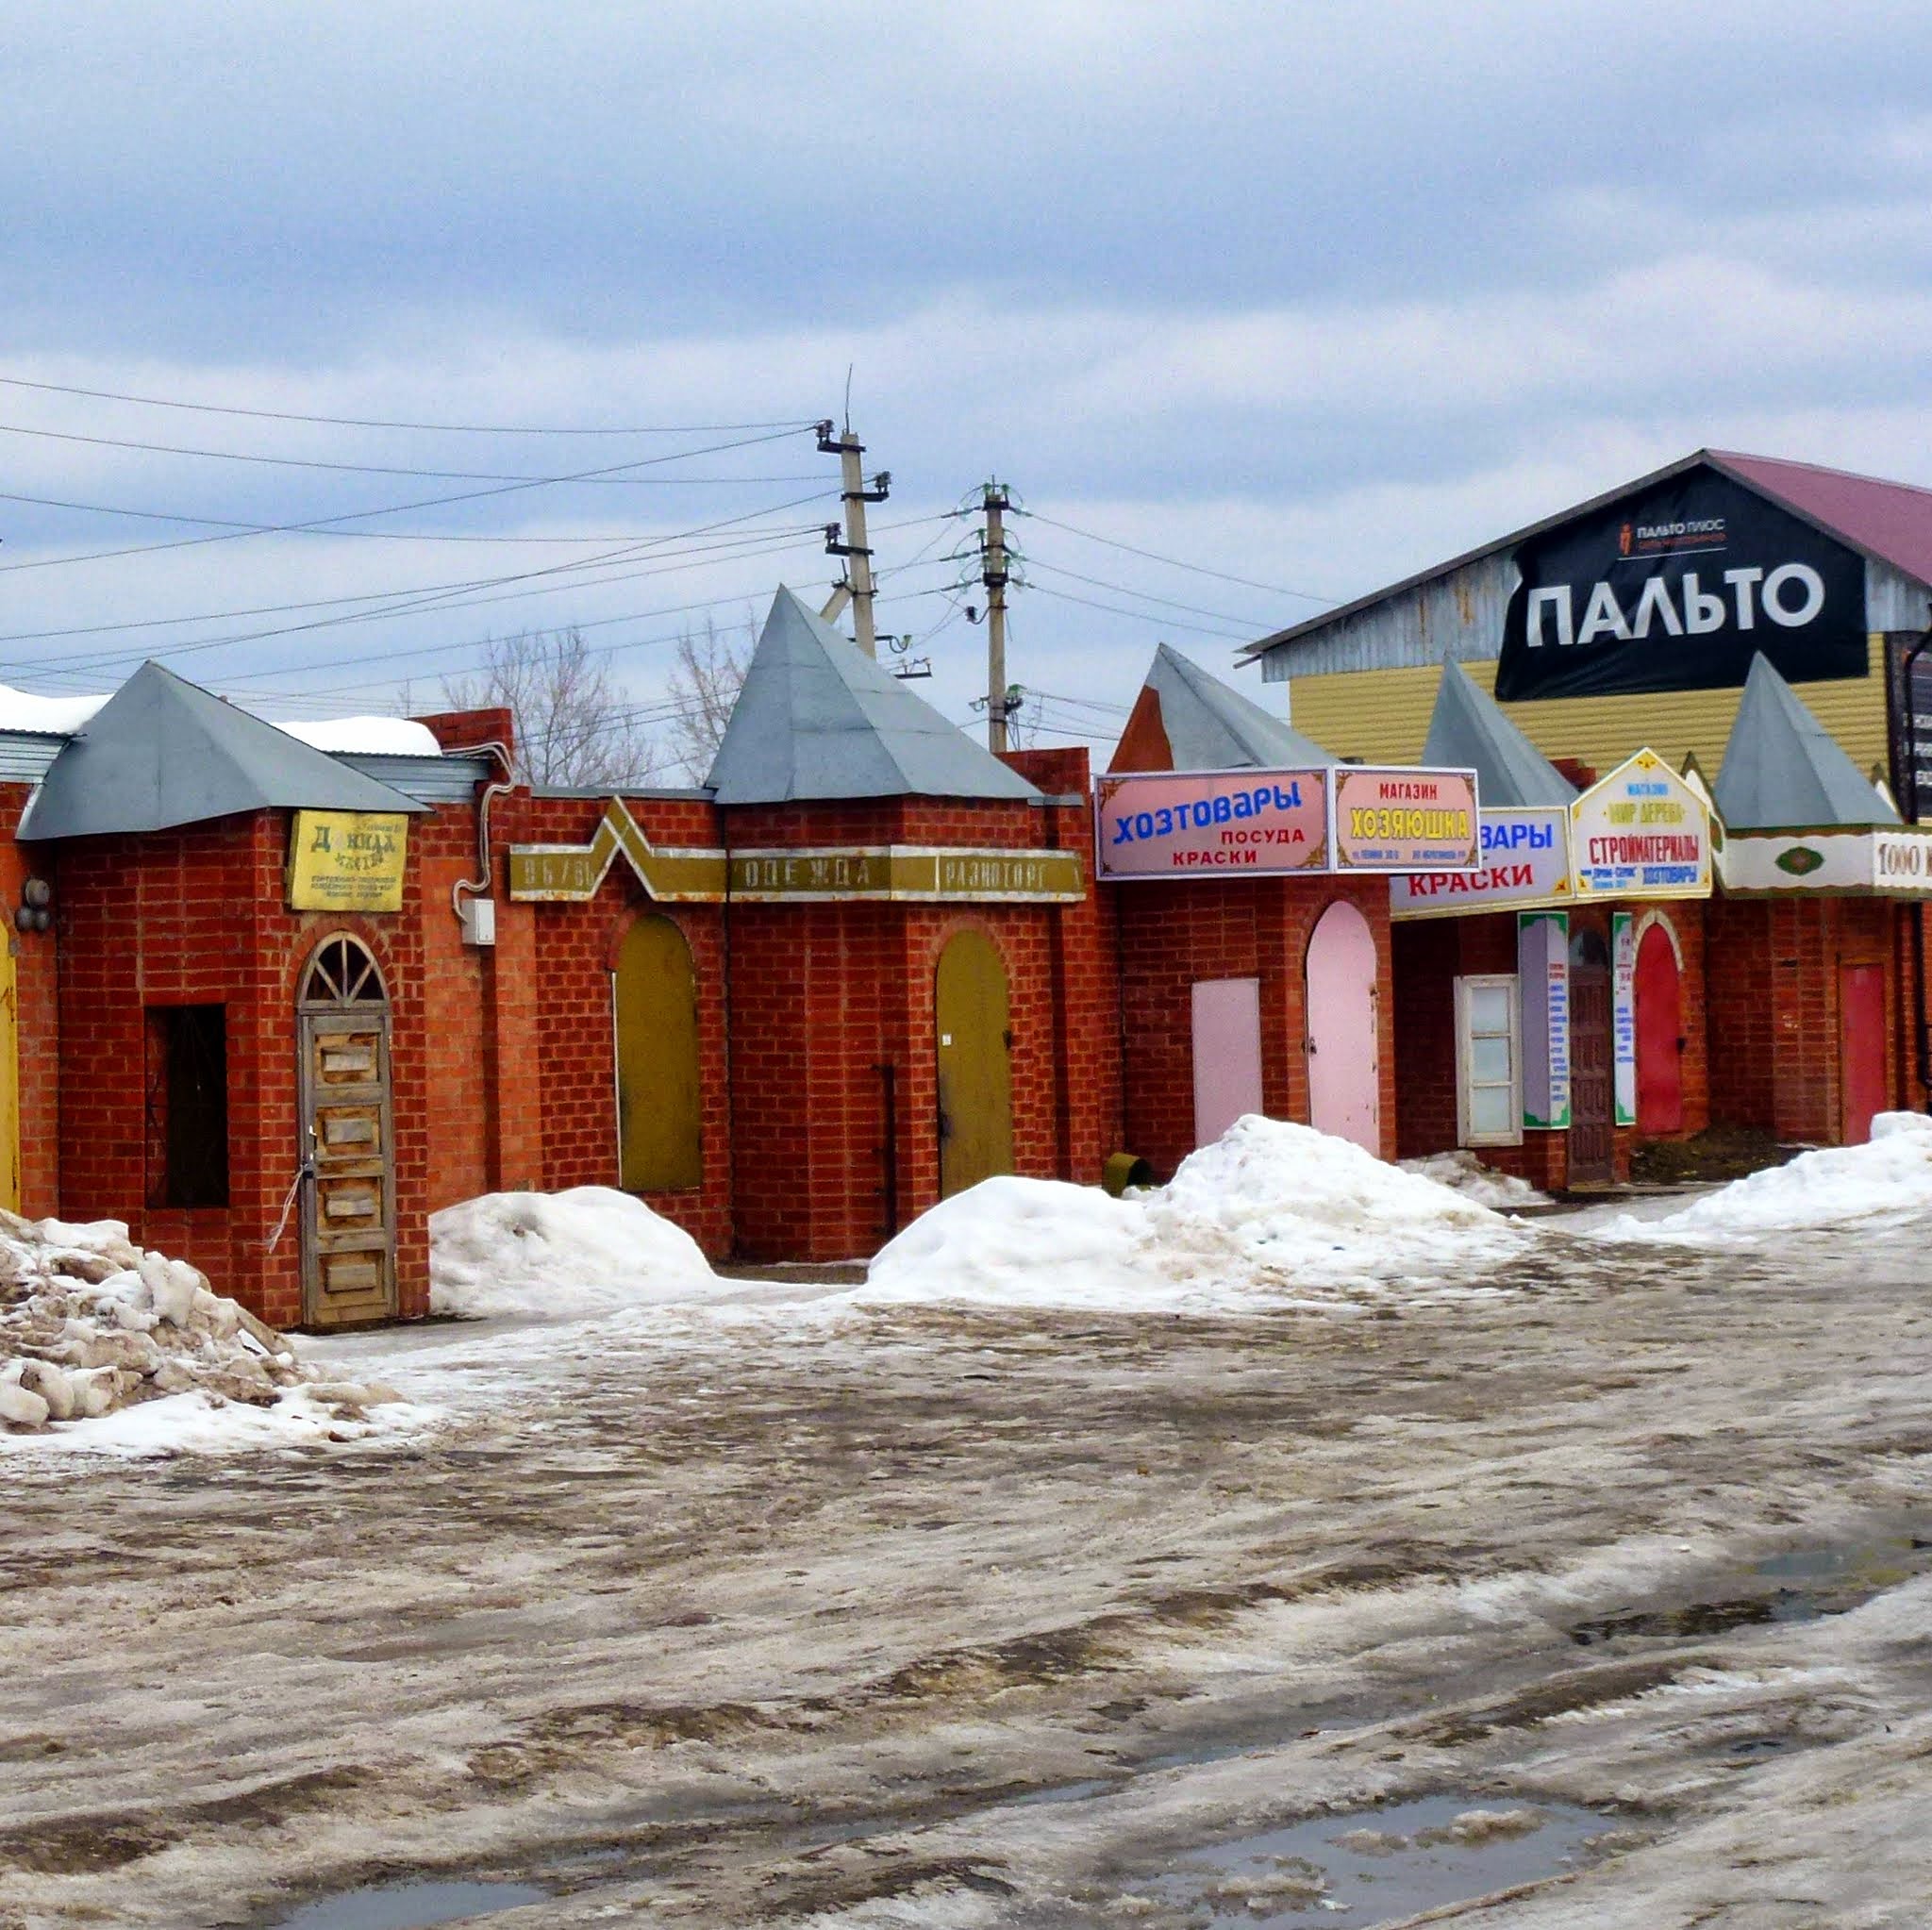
(1378, 1865)
(1064, 1793)
(409, 1906)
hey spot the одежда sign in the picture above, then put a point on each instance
(347, 860)
(1677, 588)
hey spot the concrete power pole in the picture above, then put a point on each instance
(858, 584)
(994, 575)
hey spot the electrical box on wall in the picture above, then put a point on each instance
(479, 917)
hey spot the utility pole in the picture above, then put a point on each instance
(994, 575)
(857, 584)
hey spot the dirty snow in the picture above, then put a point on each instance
(108, 1346)
(1270, 1214)
(1880, 1182)
(1462, 1171)
(567, 1256)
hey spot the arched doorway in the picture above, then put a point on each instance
(1343, 1047)
(348, 1209)
(1660, 1035)
(1591, 1069)
(654, 1002)
(976, 1063)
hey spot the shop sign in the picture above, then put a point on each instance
(1525, 861)
(347, 860)
(1211, 823)
(1895, 863)
(1677, 588)
(1641, 832)
(1542, 958)
(1400, 819)
(1910, 667)
(1624, 1013)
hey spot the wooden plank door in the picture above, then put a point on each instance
(1342, 1017)
(975, 1064)
(348, 1210)
(1660, 1035)
(1591, 1067)
(1227, 1054)
(1861, 1050)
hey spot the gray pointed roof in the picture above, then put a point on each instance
(161, 752)
(817, 718)
(1212, 726)
(1782, 770)
(1468, 731)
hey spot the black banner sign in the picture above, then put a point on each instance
(1677, 589)
(1911, 724)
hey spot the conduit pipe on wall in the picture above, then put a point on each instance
(478, 886)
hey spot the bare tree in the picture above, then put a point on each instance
(705, 683)
(572, 724)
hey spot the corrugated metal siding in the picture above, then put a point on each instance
(1894, 602)
(25, 755)
(1383, 716)
(428, 780)
(1460, 615)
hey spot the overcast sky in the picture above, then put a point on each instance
(1308, 295)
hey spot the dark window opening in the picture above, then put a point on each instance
(188, 1106)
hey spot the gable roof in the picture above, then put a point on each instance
(1888, 520)
(817, 718)
(161, 752)
(1209, 727)
(1782, 771)
(1469, 731)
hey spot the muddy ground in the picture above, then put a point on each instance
(955, 1617)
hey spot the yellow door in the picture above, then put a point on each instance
(976, 1065)
(659, 1140)
(10, 1082)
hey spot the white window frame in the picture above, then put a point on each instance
(1465, 1133)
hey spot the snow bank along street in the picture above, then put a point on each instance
(1182, 1560)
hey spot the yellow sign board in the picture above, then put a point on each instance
(347, 860)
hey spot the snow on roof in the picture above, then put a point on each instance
(1783, 771)
(368, 737)
(1212, 726)
(161, 752)
(819, 719)
(1469, 731)
(57, 716)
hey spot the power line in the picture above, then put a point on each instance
(1143, 616)
(1125, 590)
(1177, 562)
(350, 421)
(327, 524)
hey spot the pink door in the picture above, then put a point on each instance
(1228, 1055)
(1660, 1035)
(1862, 1049)
(1343, 1089)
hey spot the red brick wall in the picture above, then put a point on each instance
(36, 1008)
(1173, 935)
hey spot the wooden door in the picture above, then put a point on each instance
(976, 1066)
(1660, 1035)
(1591, 1065)
(1343, 1012)
(348, 1208)
(655, 1000)
(1228, 1055)
(9, 1079)
(1861, 1050)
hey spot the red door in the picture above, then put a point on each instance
(1862, 1049)
(1659, 1037)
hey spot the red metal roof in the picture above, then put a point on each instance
(1892, 521)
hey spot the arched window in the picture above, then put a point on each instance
(341, 973)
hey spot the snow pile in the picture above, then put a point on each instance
(1889, 1177)
(91, 1323)
(567, 1256)
(1463, 1173)
(368, 737)
(1270, 1214)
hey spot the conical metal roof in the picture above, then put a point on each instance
(1468, 731)
(161, 752)
(1212, 726)
(1782, 770)
(819, 719)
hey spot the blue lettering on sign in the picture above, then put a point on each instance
(1204, 813)
(1517, 837)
